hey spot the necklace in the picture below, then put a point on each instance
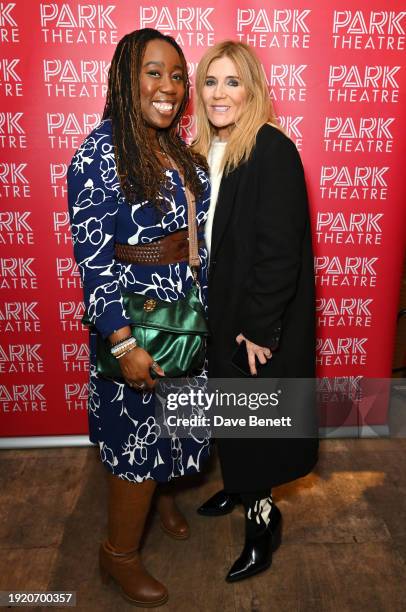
(161, 152)
(165, 161)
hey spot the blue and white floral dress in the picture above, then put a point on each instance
(134, 444)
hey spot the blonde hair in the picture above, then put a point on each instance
(257, 110)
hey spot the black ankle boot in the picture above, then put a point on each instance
(220, 503)
(257, 553)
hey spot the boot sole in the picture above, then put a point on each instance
(258, 570)
(106, 578)
(276, 542)
(140, 604)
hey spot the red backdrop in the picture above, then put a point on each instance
(338, 84)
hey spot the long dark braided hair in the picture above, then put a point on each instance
(138, 167)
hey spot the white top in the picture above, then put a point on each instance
(214, 159)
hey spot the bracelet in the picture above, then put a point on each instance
(125, 352)
(120, 341)
(115, 350)
(123, 348)
(118, 355)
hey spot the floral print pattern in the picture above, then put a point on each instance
(130, 427)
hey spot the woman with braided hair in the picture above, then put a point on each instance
(126, 188)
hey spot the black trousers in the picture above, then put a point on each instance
(255, 465)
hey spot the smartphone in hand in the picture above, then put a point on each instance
(240, 360)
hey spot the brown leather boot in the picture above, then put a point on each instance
(128, 506)
(172, 520)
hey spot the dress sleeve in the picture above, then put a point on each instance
(93, 199)
(282, 218)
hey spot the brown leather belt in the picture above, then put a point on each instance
(169, 250)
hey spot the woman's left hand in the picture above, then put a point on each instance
(262, 353)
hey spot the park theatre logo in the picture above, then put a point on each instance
(18, 273)
(382, 30)
(70, 316)
(83, 24)
(57, 173)
(358, 135)
(75, 357)
(293, 128)
(68, 78)
(10, 80)
(358, 228)
(62, 228)
(67, 273)
(358, 183)
(21, 358)
(22, 398)
(189, 26)
(15, 228)
(9, 32)
(355, 84)
(67, 130)
(13, 180)
(274, 28)
(286, 82)
(12, 132)
(16, 317)
(76, 395)
(344, 312)
(344, 271)
(341, 351)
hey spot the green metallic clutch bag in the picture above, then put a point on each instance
(173, 333)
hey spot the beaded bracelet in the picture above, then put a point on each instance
(120, 341)
(123, 345)
(122, 348)
(125, 352)
(118, 355)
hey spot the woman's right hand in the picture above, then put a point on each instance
(136, 366)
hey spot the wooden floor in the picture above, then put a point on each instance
(344, 546)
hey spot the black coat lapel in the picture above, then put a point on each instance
(224, 207)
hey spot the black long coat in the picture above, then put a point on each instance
(261, 279)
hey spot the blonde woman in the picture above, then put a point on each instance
(261, 284)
